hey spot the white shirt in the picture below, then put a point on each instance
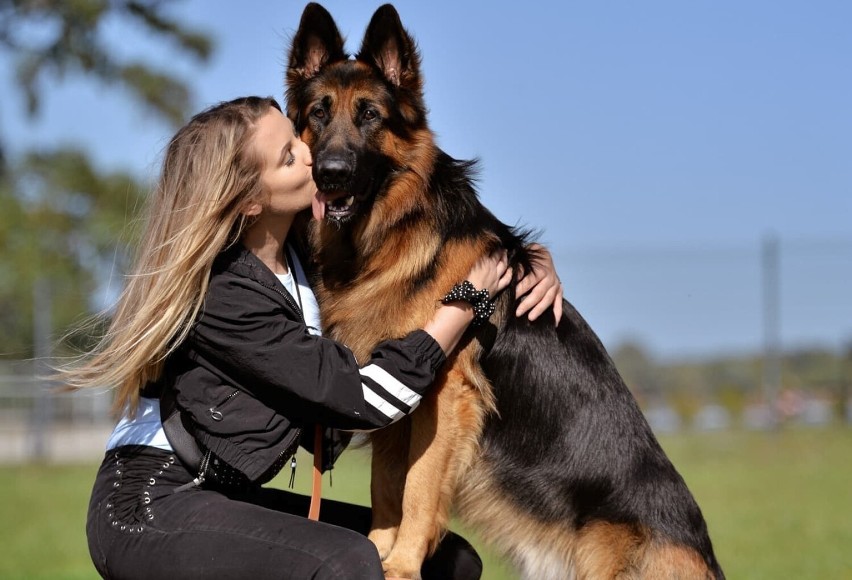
(144, 429)
(302, 293)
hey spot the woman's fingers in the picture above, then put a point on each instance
(488, 272)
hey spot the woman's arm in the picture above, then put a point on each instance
(248, 340)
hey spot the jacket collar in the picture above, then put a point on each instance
(238, 260)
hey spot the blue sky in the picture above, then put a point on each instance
(654, 144)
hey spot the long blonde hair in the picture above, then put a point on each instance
(209, 177)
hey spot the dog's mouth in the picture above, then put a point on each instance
(337, 206)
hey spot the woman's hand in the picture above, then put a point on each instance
(491, 273)
(543, 285)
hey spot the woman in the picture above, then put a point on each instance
(218, 320)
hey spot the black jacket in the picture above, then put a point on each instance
(250, 376)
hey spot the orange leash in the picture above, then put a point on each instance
(316, 487)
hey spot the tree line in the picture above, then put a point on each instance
(62, 218)
(733, 381)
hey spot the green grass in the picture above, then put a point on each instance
(43, 515)
(778, 506)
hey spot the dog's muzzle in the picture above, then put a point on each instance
(334, 172)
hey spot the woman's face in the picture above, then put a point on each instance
(286, 171)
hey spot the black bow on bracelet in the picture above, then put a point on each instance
(483, 307)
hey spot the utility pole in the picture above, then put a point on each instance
(42, 323)
(771, 326)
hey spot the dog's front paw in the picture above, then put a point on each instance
(393, 572)
(384, 541)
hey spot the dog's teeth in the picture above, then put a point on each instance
(349, 201)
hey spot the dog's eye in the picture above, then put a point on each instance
(370, 114)
(318, 113)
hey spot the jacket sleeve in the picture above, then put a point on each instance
(246, 336)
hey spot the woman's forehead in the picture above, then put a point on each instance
(275, 127)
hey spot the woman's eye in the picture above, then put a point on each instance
(291, 159)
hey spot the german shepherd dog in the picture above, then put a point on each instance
(529, 435)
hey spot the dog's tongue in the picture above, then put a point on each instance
(318, 206)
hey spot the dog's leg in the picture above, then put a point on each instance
(443, 436)
(388, 467)
(666, 561)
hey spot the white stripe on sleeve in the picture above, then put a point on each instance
(392, 385)
(382, 405)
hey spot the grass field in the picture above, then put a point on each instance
(778, 506)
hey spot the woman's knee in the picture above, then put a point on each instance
(358, 560)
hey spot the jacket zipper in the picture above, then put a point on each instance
(292, 452)
(287, 298)
(214, 411)
(292, 304)
(202, 474)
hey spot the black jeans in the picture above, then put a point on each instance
(139, 528)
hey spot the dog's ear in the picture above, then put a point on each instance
(317, 42)
(389, 47)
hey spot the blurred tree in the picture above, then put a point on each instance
(62, 225)
(60, 216)
(58, 37)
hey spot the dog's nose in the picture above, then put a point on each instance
(333, 170)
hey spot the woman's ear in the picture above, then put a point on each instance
(253, 209)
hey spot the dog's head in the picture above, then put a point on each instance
(363, 118)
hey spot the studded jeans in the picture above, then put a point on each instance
(139, 528)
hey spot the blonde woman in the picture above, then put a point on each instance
(217, 318)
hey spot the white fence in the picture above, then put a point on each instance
(38, 423)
